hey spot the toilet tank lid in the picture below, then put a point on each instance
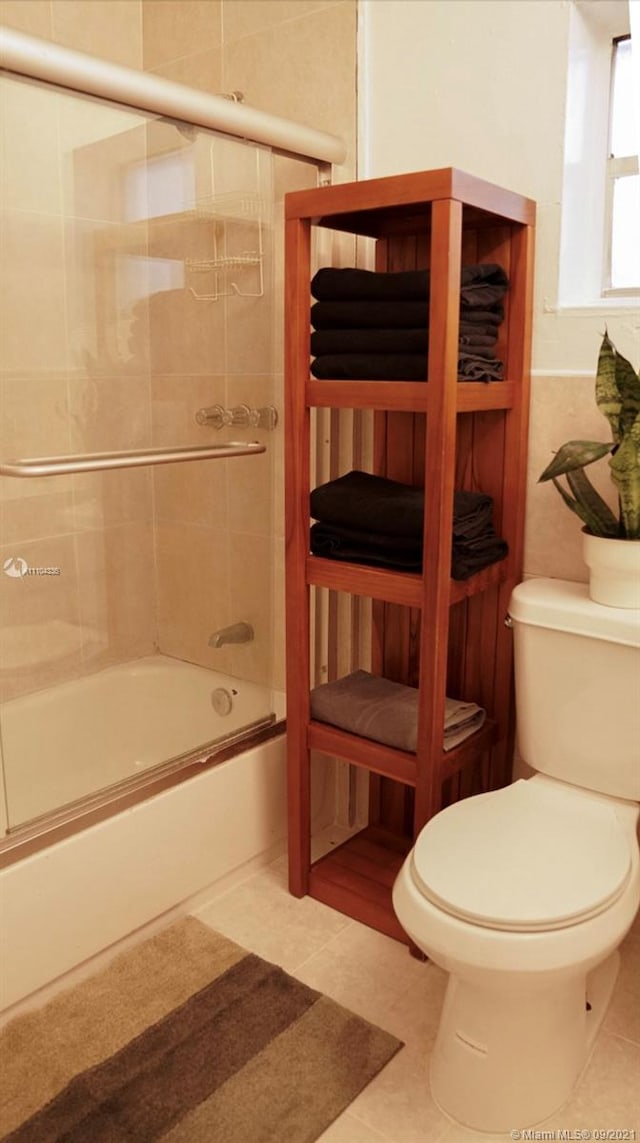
(562, 605)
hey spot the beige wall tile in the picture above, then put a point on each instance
(111, 29)
(32, 293)
(40, 619)
(246, 17)
(31, 178)
(187, 335)
(202, 70)
(30, 16)
(175, 401)
(251, 478)
(106, 499)
(34, 509)
(110, 413)
(562, 409)
(174, 28)
(306, 73)
(251, 576)
(278, 678)
(102, 149)
(193, 493)
(116, 597)
(34, 415)
(193, 592)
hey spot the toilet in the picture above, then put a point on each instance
(524, 894)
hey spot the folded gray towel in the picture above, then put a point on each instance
(387, 712)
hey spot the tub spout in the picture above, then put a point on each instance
(236, 633)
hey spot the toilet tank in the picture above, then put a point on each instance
(577, 672)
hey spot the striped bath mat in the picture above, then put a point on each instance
(190, 1039)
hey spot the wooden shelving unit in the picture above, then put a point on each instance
(447, 637)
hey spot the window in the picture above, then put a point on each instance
(600, 211)
(622, 198)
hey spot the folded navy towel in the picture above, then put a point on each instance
(330, 341)
(486, 279)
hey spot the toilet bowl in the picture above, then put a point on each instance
(528, 936)
(524, 894)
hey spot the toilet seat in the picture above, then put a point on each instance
(532, 857)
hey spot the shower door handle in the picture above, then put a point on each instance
(102, 461)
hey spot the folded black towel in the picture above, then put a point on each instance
(371, 504)
(337, 341)
(359, 500)
(486, 319)
(472, 515)
(397, 315)
(471, 337)
(400, 367)
(370, 315)
(486, 280)
(329, 341)
(354, 546)
(371, 366)
(467, 559)
(350, 544)
(476, 367)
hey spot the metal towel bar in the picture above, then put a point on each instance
(99, 461)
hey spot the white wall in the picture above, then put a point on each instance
(482, 85)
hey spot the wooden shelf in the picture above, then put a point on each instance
(439, 435)
(392, 763)
(357, 878)
(392, 586)
(377, 207)
(406, 396)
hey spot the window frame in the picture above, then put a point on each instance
(617, 167)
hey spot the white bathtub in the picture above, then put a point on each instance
(69, 741)
(71, 900)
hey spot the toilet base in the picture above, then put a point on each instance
(511, 1047)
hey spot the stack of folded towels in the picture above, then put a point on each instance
(375, 326)
(369, 519)
(387, 712)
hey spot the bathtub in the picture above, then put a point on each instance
(74, 898)
(69, 741)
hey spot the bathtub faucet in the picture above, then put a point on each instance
(236, 633)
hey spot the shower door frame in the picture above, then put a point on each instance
(46, 62)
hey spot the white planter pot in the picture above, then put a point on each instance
(614, 570)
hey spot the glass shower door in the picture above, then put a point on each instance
(136, 619)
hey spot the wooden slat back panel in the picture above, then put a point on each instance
(297, 483)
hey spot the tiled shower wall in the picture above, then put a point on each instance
(294, 58)
(217, 558)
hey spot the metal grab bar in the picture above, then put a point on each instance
(100, 461)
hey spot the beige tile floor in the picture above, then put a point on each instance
(377, 978)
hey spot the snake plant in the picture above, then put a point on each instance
(618, 398)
